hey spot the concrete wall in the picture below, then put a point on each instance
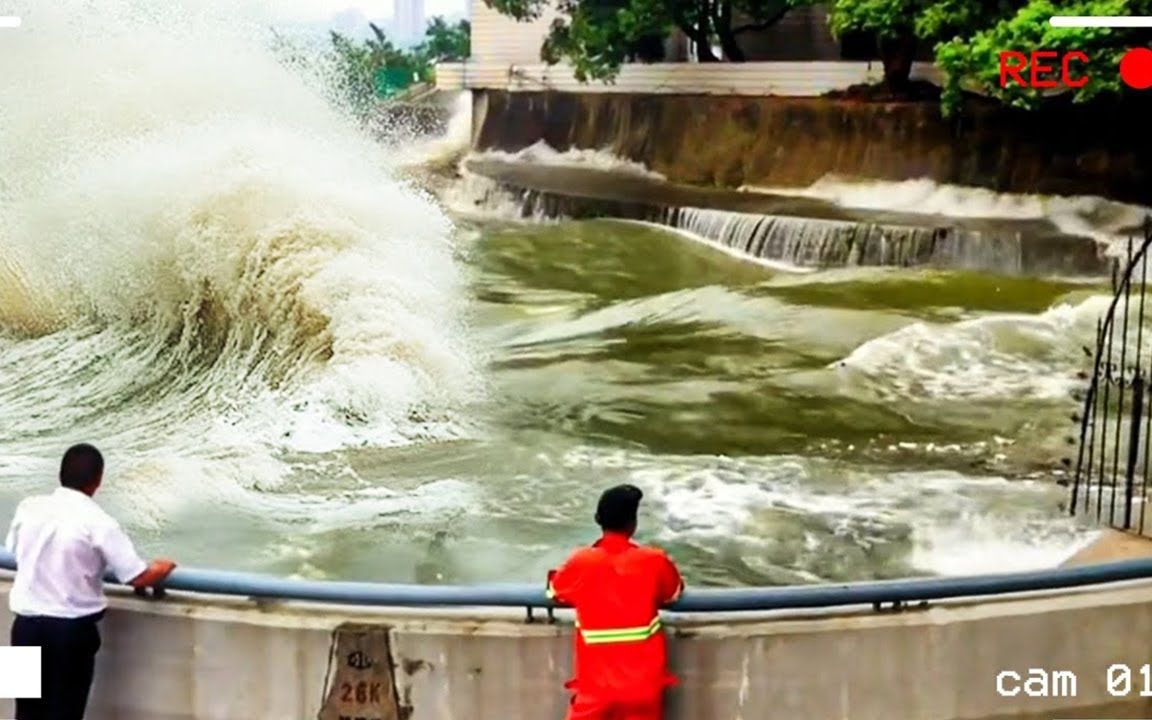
(499, 38)
(795, 79)
(202, 657)
(735, 140)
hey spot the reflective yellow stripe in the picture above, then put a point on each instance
(621, 635)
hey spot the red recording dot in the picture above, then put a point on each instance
(1136, 68)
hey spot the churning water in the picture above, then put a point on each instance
(297, 363)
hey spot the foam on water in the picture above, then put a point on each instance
(210, 272)
(203, 262)
(541, 153)
(932, 522)
(1092, 216)
(988, 357)
(440, 148)
(476, 197)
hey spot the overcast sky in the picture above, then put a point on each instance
(318, 10)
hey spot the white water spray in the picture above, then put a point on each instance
(202, 262)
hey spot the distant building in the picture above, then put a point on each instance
(797, 56)
(409, 21)
(350, 22)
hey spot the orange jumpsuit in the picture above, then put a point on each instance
(617, 588)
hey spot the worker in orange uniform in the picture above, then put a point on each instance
(617, 588)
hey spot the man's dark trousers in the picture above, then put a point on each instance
(67, 660)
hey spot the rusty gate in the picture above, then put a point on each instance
(1111, 476)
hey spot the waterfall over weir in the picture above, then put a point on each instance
(806, 241)
(801, 231)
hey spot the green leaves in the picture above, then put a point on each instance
(969, 36)
(885, 18)
(973, 64)
(446, 43)
(597, 36)
(376, 68)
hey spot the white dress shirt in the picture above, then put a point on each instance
(64, 543)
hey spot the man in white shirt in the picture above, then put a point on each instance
(64, 543)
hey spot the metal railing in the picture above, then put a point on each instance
(896, 593)
(1112, 468)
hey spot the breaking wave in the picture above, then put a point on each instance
(198, 253)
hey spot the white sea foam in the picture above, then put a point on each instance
(203, 263)
(814, 514)
(988, 357)
(541, 153)
(1106, 220)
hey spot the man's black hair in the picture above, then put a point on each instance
(618, 507)
(81, 467)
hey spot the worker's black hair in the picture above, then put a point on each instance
(618, 507)
(82, 466)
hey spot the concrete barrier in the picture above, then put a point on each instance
(199, 656)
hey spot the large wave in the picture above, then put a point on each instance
(199, 253)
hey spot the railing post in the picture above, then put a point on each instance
(1133, 446)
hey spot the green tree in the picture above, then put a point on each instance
(597, 36)
(365, 68)
(892, 23)
(973, 63)
(901, 27)
(969, 35)
(446, 43)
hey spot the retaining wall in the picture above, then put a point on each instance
(757, 79)
(734, 140)
(208, 657)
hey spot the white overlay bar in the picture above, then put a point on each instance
(1084, 21)
(9, 21)
(19, 672)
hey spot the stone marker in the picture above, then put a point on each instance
(360, 683)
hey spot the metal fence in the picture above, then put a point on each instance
(1111, 479)
(880, 595)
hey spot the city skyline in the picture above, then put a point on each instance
(408, 18)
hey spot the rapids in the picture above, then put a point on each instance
(299, 363)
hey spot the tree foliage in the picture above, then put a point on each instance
(360, 65)
(968, 36)
(597, 36)
(446, 43)
(973, 62)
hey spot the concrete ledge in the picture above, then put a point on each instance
(1111, 546)
(209, 657)
(804, 231)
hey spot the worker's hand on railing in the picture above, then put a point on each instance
(550, 590)
(157, 572)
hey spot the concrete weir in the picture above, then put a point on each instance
(1043, 655)
(808, 232)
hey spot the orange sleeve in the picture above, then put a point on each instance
(670, 585)
(564, 582)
